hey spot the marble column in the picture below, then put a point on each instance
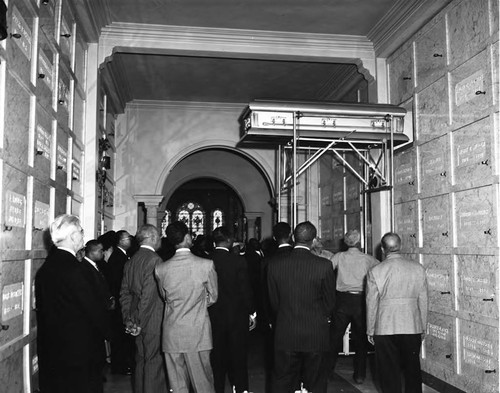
(152, 204)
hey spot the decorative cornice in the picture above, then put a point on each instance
(403, 20)
(340, 82)
(92, 15)
(116, 84)
(186, 105)
(149, 200)
(233, 41)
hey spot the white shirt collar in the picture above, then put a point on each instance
(92, 263)
(182, 249)
(222, 248)
(148, 247)
(304, 247)
(284, 245)
(122, 250)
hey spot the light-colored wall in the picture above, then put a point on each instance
(152, 138)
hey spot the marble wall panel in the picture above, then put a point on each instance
(48, 20)
(440, 281)
(325, 169)
(496, 70)
(80, 53)
(430, 54)
(494, 16)
(401, 76)
(45, 78)
(432, 111)
(326, 233)
(65, 41)
(43, 145)
(405, 176)
(14, 230)
(353, 221)
(11, 373)
(338, 232)
(439, 341)
(19, 44)
(435, 224)
(17, 110)
(468, 30)
(477, 278)
(11, 302)
(62, 157)
(60, 203)
(473, 159)
(435, 175)
(326, 200)
(78, 116)
(406, 220)
(64, 97)
(475, 219)
(471, 90)
(353, 193)
(41, 218)
(478, 348)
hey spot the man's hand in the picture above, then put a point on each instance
(370, 340)
(132, 328)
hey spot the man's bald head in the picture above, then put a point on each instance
(391, 242)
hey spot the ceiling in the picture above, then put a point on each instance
(173, 77)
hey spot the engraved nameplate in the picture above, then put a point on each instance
(45, 68)
(41, 215)
(465, 90)
(19, 26)
(62, 158)
(43, 141)
(438, 279)
(12, 301)
(15, 209)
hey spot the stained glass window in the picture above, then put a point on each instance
(193, 215)
(217, 218)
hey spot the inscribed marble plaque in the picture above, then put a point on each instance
(41, 215)
(439, 339)
(45, 69)
(405, 176)
(406, 220)
(15, 209)
(434, 169)
(436, 234)
(19, 26)
(475, 217)
(401, 77)
(12, 301)
(43, 142)
(439, 270)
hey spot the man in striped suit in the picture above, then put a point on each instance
(302, 296)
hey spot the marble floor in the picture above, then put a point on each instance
(341, 381)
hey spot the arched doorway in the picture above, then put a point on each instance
(204, 204)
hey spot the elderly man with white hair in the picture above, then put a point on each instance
(352, 268)
(72, 318)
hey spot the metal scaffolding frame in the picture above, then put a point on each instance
(327, 127)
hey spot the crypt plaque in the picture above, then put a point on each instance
(401, 76)
(471, 90)
(436, 231)
(406, 220)
(434, 168)
(338, 232)
(475, 219)
(430, 54)
(473, 159)
(440, 338)
(432, 111)
(439, 270)
(478, 346)
(477, 285)
(19, 45)
(405, 176)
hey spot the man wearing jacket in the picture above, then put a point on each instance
(396, 308)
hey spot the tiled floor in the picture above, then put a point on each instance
(342, 383)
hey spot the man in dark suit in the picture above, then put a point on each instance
(142, 310)
(230, 315)
(122, 344)
(72, 316)
(302, 296)
(282, 235)
(396, 317)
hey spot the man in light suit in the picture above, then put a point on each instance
(302, 296)
(142, 310)
(188, 285)
(396, 304)
(71, 315)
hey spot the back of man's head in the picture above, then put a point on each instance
(124, 239)
(282, 232)
(93, 250)
(62, 228)
(222, 237)
(352, 238)
(391, 242)
(148, 235)
(176, 232)
(304, 233)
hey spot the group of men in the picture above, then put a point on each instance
(191, 314)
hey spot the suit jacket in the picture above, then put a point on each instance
(188, 285)
(115, 266)
(72, 317)
(235, 300)
(99, 282)
(268, 316)
(396, 298)
(139, 296)
(302, 296)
